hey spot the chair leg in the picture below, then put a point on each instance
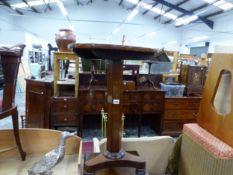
(16, 133)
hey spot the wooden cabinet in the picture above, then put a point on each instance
(194, 78)
(178, 111)
(131, 102)
(152, 101)
(38, 95)
(92, 101)
(65, 112)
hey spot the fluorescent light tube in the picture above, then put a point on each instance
(171, 42)
(209, 1)
(132, 14)
(218, 3)
(146, 6)
(200, 38)
(133, 1)
(183, 21)
(116, 30)
(62, 8)
(169, 15)
(226, 6)
(32, 3)
(150, 34)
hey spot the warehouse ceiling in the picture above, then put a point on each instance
(177, 12)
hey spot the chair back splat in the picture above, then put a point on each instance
(10, 59)
(216, 109)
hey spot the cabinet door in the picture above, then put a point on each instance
(35, 109)
(38, 103)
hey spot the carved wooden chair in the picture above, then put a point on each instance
(10, 60)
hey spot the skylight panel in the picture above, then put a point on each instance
(153, 9)
(209, 1)
(184, 21)
(226, 6)
(157, 10)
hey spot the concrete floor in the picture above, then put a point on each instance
(20, 102)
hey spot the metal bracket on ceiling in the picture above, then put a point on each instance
(4, 2)
(208, 22)
(170, 9)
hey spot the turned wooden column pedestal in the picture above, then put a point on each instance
(114, 156)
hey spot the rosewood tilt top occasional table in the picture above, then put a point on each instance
(114, 55)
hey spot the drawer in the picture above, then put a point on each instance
(175, 125)
(64, 105)
(64, 119)
(148, 96)
(93, 107)
(131, 109)
(180, 114)
(182, 103)
(131, 97)
(93, 96)
(152, 107)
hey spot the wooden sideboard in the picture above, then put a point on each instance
(45, 111)
(38, 94)
(178, 111)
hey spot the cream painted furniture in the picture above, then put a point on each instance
(37, 142)
(155, 150)
(58, 56)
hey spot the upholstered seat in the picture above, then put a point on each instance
(155, 150)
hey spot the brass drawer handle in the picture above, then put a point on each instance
(65, 106)
(38, 93)
(65, 119)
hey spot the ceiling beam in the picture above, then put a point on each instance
(78, 2)
(208, 22)
(47, 6)
(89, 2)
(193, 10)
(146, 11)
(214, 14)
(9, 6)
(120, 3)
(33, 8)
(170, 9)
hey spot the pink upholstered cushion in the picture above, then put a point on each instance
(208, 141)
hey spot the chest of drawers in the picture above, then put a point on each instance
(178, 111)
(65, 112)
